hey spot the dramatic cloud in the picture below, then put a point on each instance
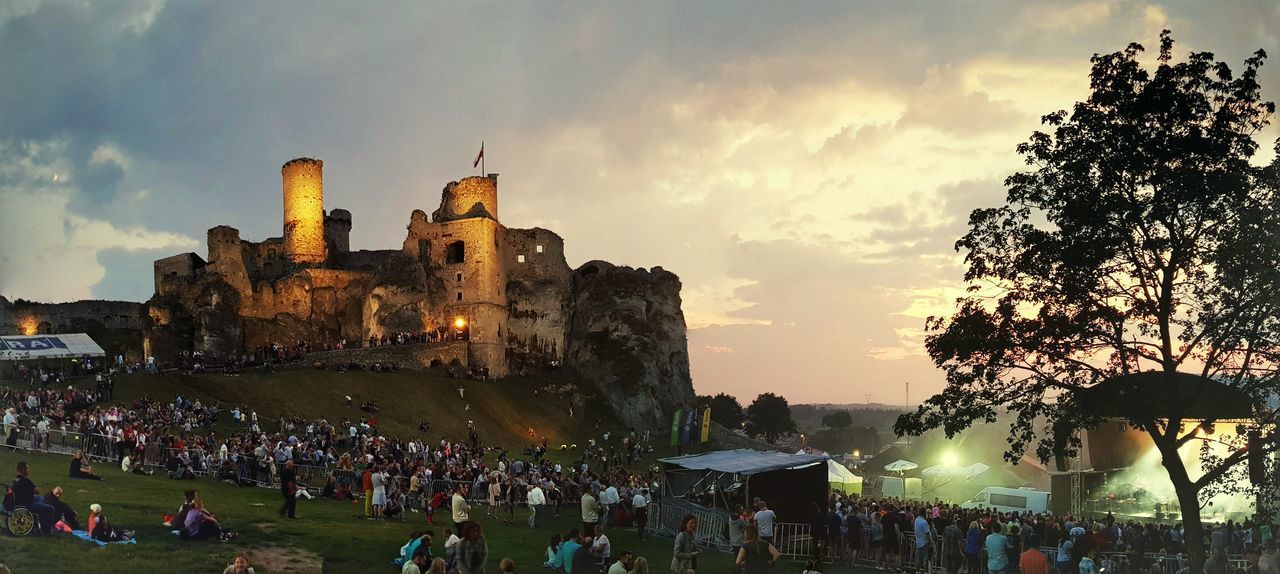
(51, 253)
(805, 168)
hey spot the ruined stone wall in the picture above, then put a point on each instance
(304, 210)
(418, 356)
(116, 326)
(316, 305)
(363, 260)
(177, 270)
(469, 197)
(538, 286)
(265, 260)
(227, 256)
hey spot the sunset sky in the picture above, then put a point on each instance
(804, 167)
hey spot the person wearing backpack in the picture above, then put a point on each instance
(756, 555)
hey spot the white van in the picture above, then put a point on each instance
(1009, 499)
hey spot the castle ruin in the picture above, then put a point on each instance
(510, 290)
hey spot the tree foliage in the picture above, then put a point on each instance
(840, 420)
(1140, 238)
(769, 416)
(727, 411)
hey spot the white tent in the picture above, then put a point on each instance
(840, 478)
(901, 466)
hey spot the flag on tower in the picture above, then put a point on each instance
(479, 156)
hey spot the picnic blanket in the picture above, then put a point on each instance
(84, 535)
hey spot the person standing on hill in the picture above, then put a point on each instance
(590, 511)
(459, 506)
(289, 488)
(366, 483)
(640, 502)
(536, 501)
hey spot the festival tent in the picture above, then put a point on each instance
(790, 483)
(60, 346)
(840, 478)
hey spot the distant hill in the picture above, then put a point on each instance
(855, 407)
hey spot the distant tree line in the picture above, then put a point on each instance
(769, 417)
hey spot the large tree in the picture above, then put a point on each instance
(726, 410)
(1140, 238)
(769, 416)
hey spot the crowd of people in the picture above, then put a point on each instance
(896, 535)
(352, 460)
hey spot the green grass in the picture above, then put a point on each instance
(328, 529)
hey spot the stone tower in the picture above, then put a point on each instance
(337, 231)
(304, 210)
(465, 244)
(470, 197)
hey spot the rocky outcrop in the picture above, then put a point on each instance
(627, 335)
(402, 297)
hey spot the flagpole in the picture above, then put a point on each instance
(481, 158)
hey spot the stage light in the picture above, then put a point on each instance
(950, 458)
(857, 454)
(459, 322)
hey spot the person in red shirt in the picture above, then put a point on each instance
(366, 483)
(1033, 561)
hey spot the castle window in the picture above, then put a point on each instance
(459, 295)
(538, 248)
(456, 252)
(459, 277)
(271, 254)
(520, 258)
(424, 251)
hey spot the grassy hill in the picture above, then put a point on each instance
(502, 410)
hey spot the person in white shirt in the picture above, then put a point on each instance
(460, 507)
(536, 500)
(600, 547)
(450, 548)
(623, 565)
(764, 522)
(609, 499)
(640, 503)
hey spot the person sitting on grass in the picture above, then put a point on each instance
(553, 548)
(437, 566)
(507, 566)
(179, 520)
(239, 566)
(622, 565)
(419, 541)
(62, 511)
(639, 566)
(102, 530)
(81, 469)
(200, 524)
(415, 564)
(563, 561)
